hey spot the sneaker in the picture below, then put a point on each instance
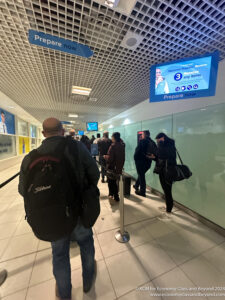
(139, 193)
(57, 294)
(88, 285)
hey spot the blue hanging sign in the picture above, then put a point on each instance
(60, 44)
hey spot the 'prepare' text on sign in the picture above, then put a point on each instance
(60, 44)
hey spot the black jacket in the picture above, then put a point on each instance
(166, 153)
(103, 146)
(145, 146)
(83, 165)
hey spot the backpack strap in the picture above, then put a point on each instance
(179, 157)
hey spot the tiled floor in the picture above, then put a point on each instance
(177, 253)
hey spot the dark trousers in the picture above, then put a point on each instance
(167, 188)
(61, 259)
(113, 188)
(102, 162)
(142, 167)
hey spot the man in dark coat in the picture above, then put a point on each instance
(115, 161)
(103, 147)
(143, 163)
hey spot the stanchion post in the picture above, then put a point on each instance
(121, 235)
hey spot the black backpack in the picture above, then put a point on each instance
(51, 205)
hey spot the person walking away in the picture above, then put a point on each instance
(72, 133)
(143, 163)
(103, 147)
(86, 141)
(97, 139)
(77, 167)
(166, 155)
(115, 159)
(92, 139)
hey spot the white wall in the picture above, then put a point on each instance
(146, 110)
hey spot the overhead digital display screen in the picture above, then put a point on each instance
(92, 126)
(80, 132)
(187, 78)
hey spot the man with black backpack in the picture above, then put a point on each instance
(143, 162)
(52, 181)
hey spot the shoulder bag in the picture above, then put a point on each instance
(177, 172)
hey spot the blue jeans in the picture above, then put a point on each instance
(61, 258)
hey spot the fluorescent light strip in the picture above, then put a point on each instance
(72, 116)
(81, 90)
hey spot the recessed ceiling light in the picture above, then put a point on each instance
(72, 115)
(112, 3)
(79, 90)
(126, 122)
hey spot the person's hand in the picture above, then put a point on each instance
(158, 80)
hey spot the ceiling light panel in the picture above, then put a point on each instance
(73, 116)
(40, 79)
(111, 3)
(79, 90)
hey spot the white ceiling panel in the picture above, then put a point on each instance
(40, 79)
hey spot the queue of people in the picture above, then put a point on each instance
(61, 171)
(164, 154)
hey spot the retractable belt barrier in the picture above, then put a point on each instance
(121, 235)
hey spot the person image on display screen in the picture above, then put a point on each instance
(161, 85)
(3, 127)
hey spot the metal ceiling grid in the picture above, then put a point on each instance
(40, 79)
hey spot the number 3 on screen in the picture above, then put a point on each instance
(178, 76)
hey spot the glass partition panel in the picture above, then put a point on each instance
(22, 128)
(33, 131)
(110, 130)
(162, 124)
(7, 146)
(120, 129)
(200, 139)
(130, 139)
(33, 144)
